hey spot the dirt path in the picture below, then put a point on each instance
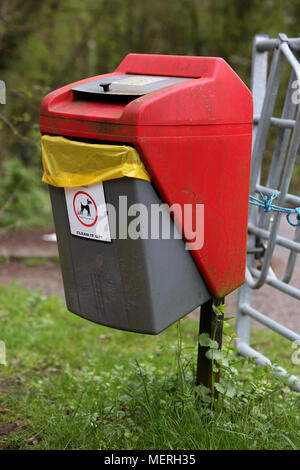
(18, 249)
(28, 259)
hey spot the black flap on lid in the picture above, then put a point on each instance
(128, 85)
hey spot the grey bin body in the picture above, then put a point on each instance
(141, 285)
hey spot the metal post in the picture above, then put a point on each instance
(213, 325)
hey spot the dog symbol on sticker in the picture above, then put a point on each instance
(86, 207)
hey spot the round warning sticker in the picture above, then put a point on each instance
(87, 212)
(85, 208)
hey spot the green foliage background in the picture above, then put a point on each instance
(47, 44)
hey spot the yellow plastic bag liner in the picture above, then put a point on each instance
(68, 163)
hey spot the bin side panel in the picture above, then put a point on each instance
(213, 171)
(161, 266)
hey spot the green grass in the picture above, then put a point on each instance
(71, 384)
(36, 261)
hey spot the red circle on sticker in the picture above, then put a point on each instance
(84, 212)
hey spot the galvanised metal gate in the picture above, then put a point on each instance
(263, 226)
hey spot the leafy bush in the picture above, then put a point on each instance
(24, 200)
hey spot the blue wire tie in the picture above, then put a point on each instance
(268, 206)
